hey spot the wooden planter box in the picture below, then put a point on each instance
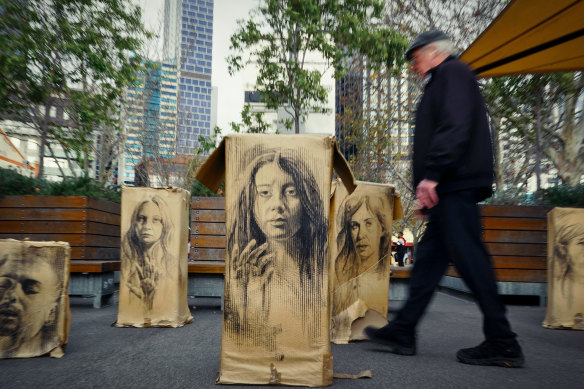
(91, 226)
(208, 242)
(516, 239)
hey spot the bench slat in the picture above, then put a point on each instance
(208, 203)
(535, 212)
(208, 215)
(104, 253)
(73, 239)
(205, 254)
(208, 228)
(515, 262)
(82, 266)
(215, 267)
(496, 223)
(44, 201)
(514, 236)
(518, 249)
(210, 241)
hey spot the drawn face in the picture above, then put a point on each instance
(575, 251)
(149, 223)
(366, 233)
(277, 207)
(28, 293)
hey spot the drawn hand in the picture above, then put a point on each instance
(252, 262)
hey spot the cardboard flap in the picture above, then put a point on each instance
(398, 212)
(341, 166)
(212, 172)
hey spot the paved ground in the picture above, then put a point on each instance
(101, 356)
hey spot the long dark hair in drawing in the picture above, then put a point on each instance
(347, 261)
(308, 245)
(147, 253)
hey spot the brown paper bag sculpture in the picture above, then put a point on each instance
(276, 318)
(361, 247)
(34, 304)
(153, 278)
(565, 304)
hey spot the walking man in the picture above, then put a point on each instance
(453, 170)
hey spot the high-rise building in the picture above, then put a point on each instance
(151, 119)
(188, 40)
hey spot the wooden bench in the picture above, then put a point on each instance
(91, 226)
(516, 239)
(208, 242)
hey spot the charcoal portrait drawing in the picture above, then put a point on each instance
(146, 254)
(567, 266)
(277, 246)
(31, 284)
(363, 259)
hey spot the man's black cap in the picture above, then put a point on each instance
(424, 39)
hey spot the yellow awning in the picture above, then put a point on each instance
(531, 36)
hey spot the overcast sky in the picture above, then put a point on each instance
(225, 15)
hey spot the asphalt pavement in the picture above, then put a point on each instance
(101, 356)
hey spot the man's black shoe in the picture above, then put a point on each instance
(396, 345)
(492, 354)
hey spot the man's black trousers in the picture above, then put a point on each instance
(453, 234)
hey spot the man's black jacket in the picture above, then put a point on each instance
(452, 140)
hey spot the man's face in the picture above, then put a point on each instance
(28, 293)
(422, 60)
(366, 232)
(277, 207)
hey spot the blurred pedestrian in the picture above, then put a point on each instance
(453, 170)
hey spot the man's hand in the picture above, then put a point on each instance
(426, 195)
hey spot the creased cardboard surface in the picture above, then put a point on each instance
(34, 303)
(154, 256)
(276, 317)
(565, 301)
(361, 248)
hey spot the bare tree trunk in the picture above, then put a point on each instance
(44, 131)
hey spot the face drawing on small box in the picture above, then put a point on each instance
(568, 255)
(364, 235)
(30, 290)
(146, 246)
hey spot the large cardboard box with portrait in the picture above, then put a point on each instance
(277, 196)
(34, 304)
(154, 258)
(565, 302)
(361, 256)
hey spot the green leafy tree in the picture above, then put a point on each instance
(280, 36)
(77, 55)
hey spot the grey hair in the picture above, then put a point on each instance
(443, 47)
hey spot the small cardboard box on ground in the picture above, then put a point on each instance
(276, 319)
(154, 256)
(34, 304)
(361, 255)
(565, 300)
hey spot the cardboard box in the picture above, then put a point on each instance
(34, 304)
(565, 301)
(361, 252)
(276, 317)
(154, 256)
